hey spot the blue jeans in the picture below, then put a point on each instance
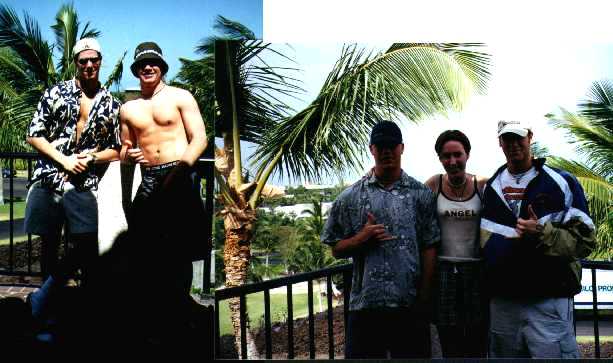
(532, 328)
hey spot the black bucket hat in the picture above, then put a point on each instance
(148, 50)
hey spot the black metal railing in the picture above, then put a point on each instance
(241, 292)
(593, 266)
(11, 268)
(205, 168)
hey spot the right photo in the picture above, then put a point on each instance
(459, 193)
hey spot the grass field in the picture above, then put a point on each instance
(18, 210)
(278, 309)
(586, 339)
(16, 239)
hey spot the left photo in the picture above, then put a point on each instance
(106, 198)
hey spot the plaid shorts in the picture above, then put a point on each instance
(459, 299)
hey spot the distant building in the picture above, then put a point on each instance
(297, 209)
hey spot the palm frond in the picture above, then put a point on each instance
(229, 30)
(26, 41)
(474, 64)
(593, 141)
(599, 106)
(116, 73)
(598, 191)
(89, 33)
(604, 238)
(413, 80)
(6, 90)
(539, 150)
(65, 28)
(259, 91)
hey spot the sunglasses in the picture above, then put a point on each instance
(148, 62)
(84, 61)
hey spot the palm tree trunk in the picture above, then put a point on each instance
(237, 254)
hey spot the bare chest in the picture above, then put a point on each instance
(148, 115)
(84, 109)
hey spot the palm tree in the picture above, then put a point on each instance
(408, 79)
(591, 131)
(27, 69)
(313, 224)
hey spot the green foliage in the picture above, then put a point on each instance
(311, 256)
(27, 69)
(413, 80)
(591, 131)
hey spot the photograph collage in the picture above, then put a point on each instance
(225, 180)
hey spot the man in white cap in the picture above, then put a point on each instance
(535, 227)
(163, 131)
(75, 128)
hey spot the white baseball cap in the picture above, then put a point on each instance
(86, 44)
(520, 128)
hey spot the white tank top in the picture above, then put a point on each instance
(459, 222)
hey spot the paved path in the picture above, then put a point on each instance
(19, 188)
(15, 291)
(17, 229)
(586, 328)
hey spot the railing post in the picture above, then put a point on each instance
(210, 328)
(595, 314)
(330, 317)
(311, 320)
(11, 216)
(290, 323)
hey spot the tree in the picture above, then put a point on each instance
(591, 131)
(408, 79)
(266, 242)
(27, 68)
(312, 225)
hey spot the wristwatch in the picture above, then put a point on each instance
(93, 159)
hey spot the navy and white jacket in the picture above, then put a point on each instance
(543, 265)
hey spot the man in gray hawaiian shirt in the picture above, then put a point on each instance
(386, 223)
(75, 128)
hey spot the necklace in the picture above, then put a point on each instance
(518, 177)
(455, 187)
(158, 91)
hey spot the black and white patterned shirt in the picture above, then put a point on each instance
(56, 119)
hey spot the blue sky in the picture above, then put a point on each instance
(177, 26)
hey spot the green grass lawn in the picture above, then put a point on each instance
(586, 339)
(16, 239)
(18, 210)
(278, 309)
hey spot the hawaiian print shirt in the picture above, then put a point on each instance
(56, 119)
(387, 274)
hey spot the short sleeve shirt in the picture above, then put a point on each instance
(387, 273)
(56, 120)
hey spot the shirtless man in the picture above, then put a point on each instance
(163, 131)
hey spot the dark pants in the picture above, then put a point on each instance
(468, 341)
(372, 333)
